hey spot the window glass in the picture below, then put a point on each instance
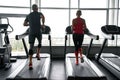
(93, 3)
(14, 10)
(25, 3)
(119, 3)
(55, 3)
(17, 24)
(93, 22)
(118, 40)
(74, 3)
(119, 18)
(113, 3)
(58, 21)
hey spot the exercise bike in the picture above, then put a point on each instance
(6, 49)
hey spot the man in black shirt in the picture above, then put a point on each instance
(34, 20)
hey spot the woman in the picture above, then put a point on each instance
(78, 27)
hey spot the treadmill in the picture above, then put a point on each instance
(83, 71)
(109, 60)
(40, 67)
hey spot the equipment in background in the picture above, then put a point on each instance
(109, 60)
(6, 49)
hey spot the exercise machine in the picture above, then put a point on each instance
(109, 60)
(40, 67)
(6, 49)
(83, 71)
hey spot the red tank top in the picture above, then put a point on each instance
(78, 26)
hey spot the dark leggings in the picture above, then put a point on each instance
(78, 40)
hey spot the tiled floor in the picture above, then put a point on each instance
(5, 73)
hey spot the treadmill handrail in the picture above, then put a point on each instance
(108, 36)
(96, 37)
(18, 37)
(92, 36)
(45, 30)
(86, 31)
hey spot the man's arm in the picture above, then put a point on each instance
(43, 20)
(25, 23)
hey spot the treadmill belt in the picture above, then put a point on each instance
(115, 62)
(83, 69)
(35, 73)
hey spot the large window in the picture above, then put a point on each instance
(14, 10)
(14, 6)
(95, 19)
(55, 3)
(93, 3)
(22, 3)
(118, 40)
(59, 15)
(93, 22)
(74, 3)
(57, 20)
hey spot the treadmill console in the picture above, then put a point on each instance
(111, 29)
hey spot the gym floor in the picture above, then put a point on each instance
(5, 73)
(57, 70)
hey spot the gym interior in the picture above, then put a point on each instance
(101, 45)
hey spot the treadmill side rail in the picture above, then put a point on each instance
(92, 65)
(45, 69)
(69, 69)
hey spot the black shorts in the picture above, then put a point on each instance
(32, 38)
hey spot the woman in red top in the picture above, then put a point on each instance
(78, 26)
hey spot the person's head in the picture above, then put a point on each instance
(34, 7)
(78, 13)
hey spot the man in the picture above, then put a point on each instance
(34, 20)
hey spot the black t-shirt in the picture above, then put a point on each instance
(34, 22)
